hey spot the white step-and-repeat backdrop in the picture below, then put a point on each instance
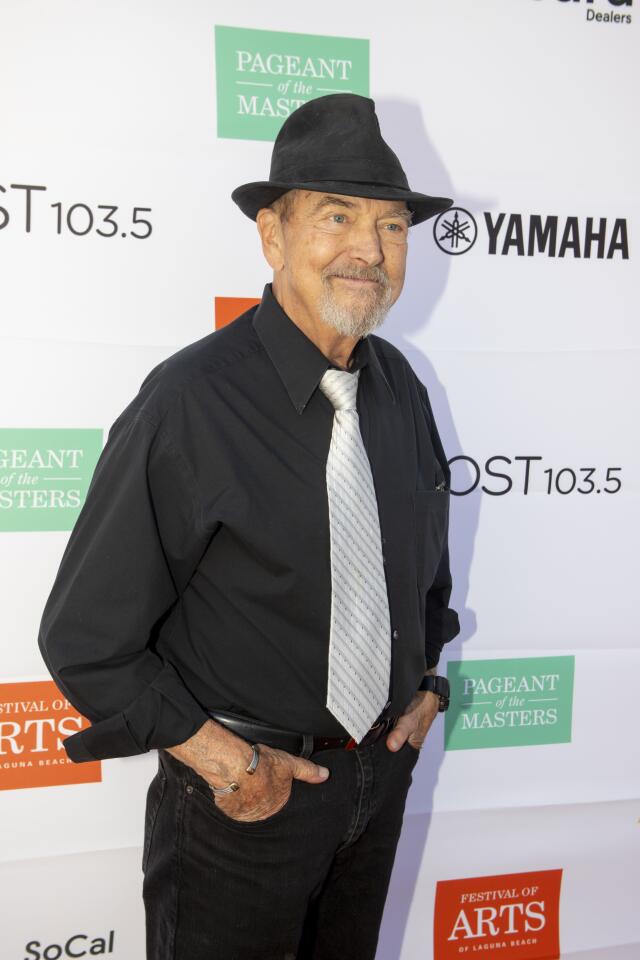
(123, 129)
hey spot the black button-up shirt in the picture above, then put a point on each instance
(197, 576)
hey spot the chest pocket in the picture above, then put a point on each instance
(431, 516)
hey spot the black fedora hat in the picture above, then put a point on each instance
(333, 144)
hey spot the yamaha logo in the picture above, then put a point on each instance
(528, 235)
(455, 231)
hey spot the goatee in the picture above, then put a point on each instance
(365, 313)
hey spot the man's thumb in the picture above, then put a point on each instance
(311, 772)
(398, 735)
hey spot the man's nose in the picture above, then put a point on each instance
(365, 245)
(366, 250)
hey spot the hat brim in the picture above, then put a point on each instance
(251, 197)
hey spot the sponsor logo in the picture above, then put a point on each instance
(509, 703)
(526, 474)
(455, 231)
(227, 309)
(514, 915)
(34, 720)
(262, 76)
(44, 476)
(27, 210)
(77, 945)
(603, 16)
(529, 235)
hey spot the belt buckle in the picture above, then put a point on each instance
(370, 736)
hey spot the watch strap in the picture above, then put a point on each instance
(439, 685)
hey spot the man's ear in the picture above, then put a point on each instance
(271, 237)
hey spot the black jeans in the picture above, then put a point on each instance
(308, 883)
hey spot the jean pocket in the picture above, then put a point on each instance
(155, 795)
(414, 752)
(202, 792)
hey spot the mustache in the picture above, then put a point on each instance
(358, 273)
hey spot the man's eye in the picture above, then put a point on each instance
(337, 215)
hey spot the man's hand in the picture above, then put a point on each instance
(413, 725)
(268, 789)
(220, 756)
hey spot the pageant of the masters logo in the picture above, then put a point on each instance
(44, 476)
(262, 76)
(509, 703)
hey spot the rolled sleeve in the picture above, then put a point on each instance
(134, 547)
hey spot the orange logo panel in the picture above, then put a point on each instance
(34, 720)
(512, 915)
(228, 308)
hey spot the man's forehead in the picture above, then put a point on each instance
(315, 202)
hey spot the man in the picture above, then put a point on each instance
(259, 579)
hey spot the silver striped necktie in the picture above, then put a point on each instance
(359, 642)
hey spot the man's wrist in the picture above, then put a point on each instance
(434, 683)
(215, 753)
(230, 757)
(234, 784)
(429, 672)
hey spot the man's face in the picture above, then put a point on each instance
(344, 258)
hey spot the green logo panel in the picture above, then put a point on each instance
(262, 76)
(44, 476)
(509, 703)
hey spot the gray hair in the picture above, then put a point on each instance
(284, 205)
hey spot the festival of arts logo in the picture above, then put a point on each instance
(227, 309)
(34, 720)
(262, 76)
(509, 703)
(44, 476)
(513, 915)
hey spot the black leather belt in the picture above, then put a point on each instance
(299, 744)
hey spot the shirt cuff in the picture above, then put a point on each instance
(164, 715)
(442, 625)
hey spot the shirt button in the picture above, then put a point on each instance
(395, 634)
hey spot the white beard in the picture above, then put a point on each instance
(358, 320)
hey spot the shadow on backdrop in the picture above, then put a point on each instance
(403, 127)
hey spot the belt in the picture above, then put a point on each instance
(299, 744)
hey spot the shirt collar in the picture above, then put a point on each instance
(299, 362)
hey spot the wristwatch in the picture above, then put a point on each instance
(439, 685)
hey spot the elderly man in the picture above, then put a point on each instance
(258, 583)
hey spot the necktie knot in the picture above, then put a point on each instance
(340, 387)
